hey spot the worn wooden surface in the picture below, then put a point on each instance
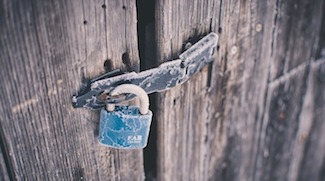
(46, 49)
(3, 169)
(258, 112)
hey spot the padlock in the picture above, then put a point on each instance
(126, 127)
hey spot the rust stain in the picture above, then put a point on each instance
(303, 136)
(54, 91)
(60, 81)
(51, 92)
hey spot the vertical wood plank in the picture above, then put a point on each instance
(244, 119)
(46, 49)
(313, 153)
(4, 175)
(185, 112)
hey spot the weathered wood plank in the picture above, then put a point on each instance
(312, 161)
(46, 49)
(4, 175)
(184, 113)
(244, 119)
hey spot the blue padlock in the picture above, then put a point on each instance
(126, 127)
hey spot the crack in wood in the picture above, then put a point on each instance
(274, 25)
(18, 107)
(287, 76)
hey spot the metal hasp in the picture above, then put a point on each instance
(95, 94)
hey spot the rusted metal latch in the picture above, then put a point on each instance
(95, 94)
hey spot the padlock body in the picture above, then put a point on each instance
(124, 128)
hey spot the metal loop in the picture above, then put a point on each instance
(133, 89)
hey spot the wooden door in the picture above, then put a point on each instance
(255, 113)
(47, 49)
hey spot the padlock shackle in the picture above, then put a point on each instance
(136, 90)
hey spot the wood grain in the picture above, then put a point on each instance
(186, 113)
(252, 116)
(46, 49)
(4, 175)
(255, 113)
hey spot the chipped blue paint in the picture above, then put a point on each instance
(124, 128)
